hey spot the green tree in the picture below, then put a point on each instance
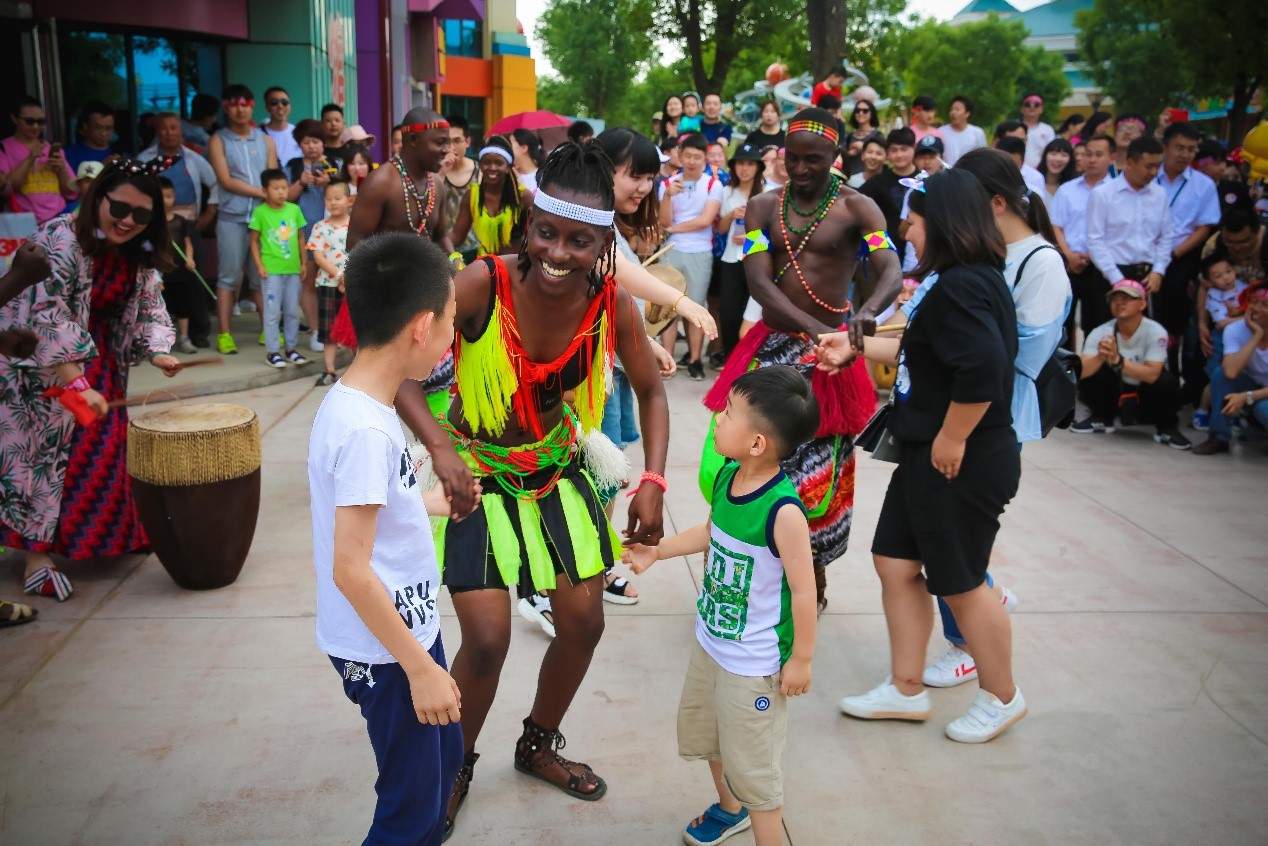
(596, 47)
(1148, 54)
(1131, 58)
(715, 32)
(986, 60)
(874, 36)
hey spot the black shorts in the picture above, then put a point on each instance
(329, 298)
(949, 526)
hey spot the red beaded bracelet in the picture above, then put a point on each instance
(655, 478)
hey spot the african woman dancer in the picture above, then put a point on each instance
(492, 208)
(802, 248)
(530, 328)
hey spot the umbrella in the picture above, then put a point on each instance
(528, 120)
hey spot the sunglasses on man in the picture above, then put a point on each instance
(30, 121)
(120, 210)
(280, 101)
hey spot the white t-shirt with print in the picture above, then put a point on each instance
(1236, 337)
(1219, 302)
(688, 204)
(332, 243)
(733, 199)
(1148, 344)
(358, 455)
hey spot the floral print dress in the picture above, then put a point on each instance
(65, 489)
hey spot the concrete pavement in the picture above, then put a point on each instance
(138, 713)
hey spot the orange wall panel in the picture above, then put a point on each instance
(467, 77)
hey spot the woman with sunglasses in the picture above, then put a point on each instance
(65, 489)
(863, 119)
(35, 172)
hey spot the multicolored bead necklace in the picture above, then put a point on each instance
(804, 233)
(410, 190)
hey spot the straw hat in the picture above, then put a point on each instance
(658, 317)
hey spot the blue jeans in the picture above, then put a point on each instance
(1221, 387)
(417, 762)
(619, 421)
(281, 304)
(949, 629)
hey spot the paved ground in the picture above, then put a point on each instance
(138, 713)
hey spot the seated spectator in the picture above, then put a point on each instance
(1124, 371)
(1222, 304)
(1240, 385)
(96, 134)
(39, 179)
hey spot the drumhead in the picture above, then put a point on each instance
(209, 417)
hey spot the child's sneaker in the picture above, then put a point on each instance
(987, 718)
(953, 667)
(262, 341)
(295, 357)
(314, 344)
(1202, 420)
(536, 609)
(886, 702)
(225, 344)
(1090, 425)
(716, 825)
(275, 360)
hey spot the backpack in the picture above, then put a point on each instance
(1058, 380)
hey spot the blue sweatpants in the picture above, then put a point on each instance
(417, 762)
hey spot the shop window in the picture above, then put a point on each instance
(471, 108)
(464, 38)
(138, 75)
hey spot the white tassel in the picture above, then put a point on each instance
(608, 465)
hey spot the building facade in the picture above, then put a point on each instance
(375, 58)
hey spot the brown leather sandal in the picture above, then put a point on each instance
(458, 796)
(16, 613)
(536, 752)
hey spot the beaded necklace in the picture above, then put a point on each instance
(410, 190)
(805, 233)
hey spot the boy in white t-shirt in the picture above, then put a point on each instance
(1124, 371)
(377, 575)
(695, 199)
(755, 617)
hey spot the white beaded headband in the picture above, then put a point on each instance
(572, 211)
(492, 150)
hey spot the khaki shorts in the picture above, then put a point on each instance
(741, 721)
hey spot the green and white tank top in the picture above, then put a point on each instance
(744, 613)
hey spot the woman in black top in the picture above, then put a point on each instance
(959, 464)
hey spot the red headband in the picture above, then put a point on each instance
(411, 128)
(239, 101)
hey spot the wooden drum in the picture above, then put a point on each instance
(196, 482)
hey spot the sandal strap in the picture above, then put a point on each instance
(15, 611)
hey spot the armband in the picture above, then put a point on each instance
(755, 242)
(878, 240)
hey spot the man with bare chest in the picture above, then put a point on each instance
(802, 249)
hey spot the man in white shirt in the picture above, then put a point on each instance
(1069, 222)
(279, 127)
(1194, 205)
(695, 199)
(960, 136)
(1038, 133)
(1128, 224)
(1124, 371)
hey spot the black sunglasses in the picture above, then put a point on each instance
(33, 121)
(862, 111)
(1030, 103)
(279, 102)
(119, 210)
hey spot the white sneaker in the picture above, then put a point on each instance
(314, 344)
(536, 609)
(953, 667)
(886, 702)
(987, 718)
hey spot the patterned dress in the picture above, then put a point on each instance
(64, 489)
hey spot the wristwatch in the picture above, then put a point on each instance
(1250, 398)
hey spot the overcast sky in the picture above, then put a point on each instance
(530, 10)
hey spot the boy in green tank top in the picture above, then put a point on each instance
(755, 617)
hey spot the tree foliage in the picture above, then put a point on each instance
(596, 47)
(1147, 54)
(715, 32)
(986, 60)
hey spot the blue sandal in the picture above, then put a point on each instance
(715, 825)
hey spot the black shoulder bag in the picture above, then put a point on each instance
(1058, 379)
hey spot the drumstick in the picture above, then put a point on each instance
(890, 327)
(657, 254)
(199, 362)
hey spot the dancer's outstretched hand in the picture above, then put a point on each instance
(646, 524)
(640, 557)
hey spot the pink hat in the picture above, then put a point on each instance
(1130, 287)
